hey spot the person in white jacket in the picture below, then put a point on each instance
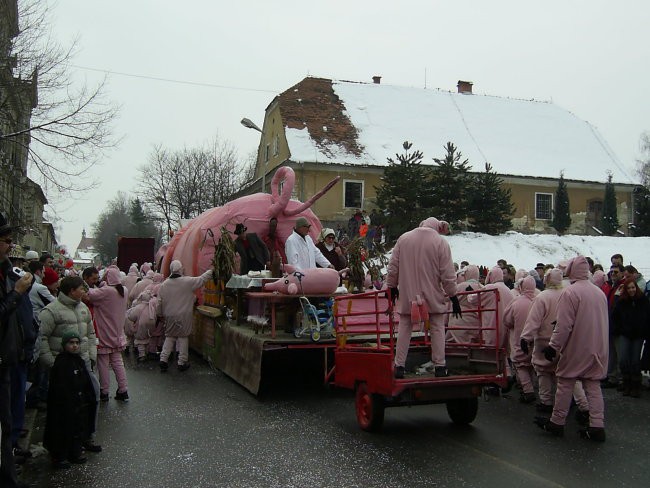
(300, 249)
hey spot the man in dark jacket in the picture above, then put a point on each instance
(13, 291)
(252, 250)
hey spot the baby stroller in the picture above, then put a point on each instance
(314, 323)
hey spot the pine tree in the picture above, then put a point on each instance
(447, 192)
(610, 216)
(141, 223)
(490, 204)
(400, 195)
(562, 213)
(641, 211)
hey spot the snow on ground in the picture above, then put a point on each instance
(524, 251)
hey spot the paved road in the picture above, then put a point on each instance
(200, 429)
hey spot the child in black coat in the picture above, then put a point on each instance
(71, 405)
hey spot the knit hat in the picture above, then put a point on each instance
(302, 222)
(175, 267)
(31, 255)
(49, 276)
(5, 228)
(69, 334)
(326, 232)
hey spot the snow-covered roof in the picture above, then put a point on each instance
(86, 256)
(365, 123)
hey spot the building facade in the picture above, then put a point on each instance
(323, 128)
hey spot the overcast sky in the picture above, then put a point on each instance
(588, 56)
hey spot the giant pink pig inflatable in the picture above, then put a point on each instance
(194, 243)
(314, 281)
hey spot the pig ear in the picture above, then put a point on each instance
(292, 289)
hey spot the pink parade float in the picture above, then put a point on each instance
(194, 244)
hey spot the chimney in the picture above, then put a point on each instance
(465, 87)
(376, 80)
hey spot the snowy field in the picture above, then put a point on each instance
(524, 251)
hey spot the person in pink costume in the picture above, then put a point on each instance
(514, 319)
(141, 285)
(109, 306)
(494, 281)
(537, 330)
(157, 333)
(581, 339)
(131, 279)
(470, 282)
(421, 269)
(144, 269)
(176, 304)
(143, 316)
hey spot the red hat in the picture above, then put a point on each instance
(49, 276)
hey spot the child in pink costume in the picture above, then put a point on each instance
(514, 319)
(109, 302)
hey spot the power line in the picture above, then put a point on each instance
(169, 80)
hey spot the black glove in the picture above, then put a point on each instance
(394, 293)
(455, 307)
(524, 345)
(549, 353)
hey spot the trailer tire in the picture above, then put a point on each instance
(462, 411)
(369, 408)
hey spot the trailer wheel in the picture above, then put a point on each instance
(462, 411)
(370, 409)
(315, 335)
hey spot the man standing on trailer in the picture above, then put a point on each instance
(421, 267)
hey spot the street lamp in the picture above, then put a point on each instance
(249, 124)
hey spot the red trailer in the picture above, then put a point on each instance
(364, 358)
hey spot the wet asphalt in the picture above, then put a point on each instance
(201, 429)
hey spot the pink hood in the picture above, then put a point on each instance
(471, 272)
(521, 273)
(495, 275)
(440, 226)
(527, 287)
(577, 269)
(598, 278)
(553, 277)
(113, 276)
(133, 271)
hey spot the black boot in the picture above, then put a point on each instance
(593, 433)
(626, 385)
(582, 417)
(546, 424)
(635, 386)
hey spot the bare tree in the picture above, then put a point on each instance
(184, 183)
(70, 125)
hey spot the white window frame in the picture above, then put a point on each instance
(363, 184)
(551, 208)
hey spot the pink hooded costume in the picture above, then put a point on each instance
(494, 281)
(176, 304)
(141, 285)
(109, 312)
(131, 279)
(538, 330)
(581, 340)
(514, 319)
(468, 319)
(422, 268)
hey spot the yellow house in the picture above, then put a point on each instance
(323, 128)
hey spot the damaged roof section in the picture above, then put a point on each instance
(312, 104)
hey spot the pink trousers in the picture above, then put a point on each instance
(547, 381)
(525, 377)
(112, 360)
(594, 396)
(182, 344)
(437, 331)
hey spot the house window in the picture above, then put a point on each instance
(276, 145)
(353, 194)
(543, 206)
(267, 150)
